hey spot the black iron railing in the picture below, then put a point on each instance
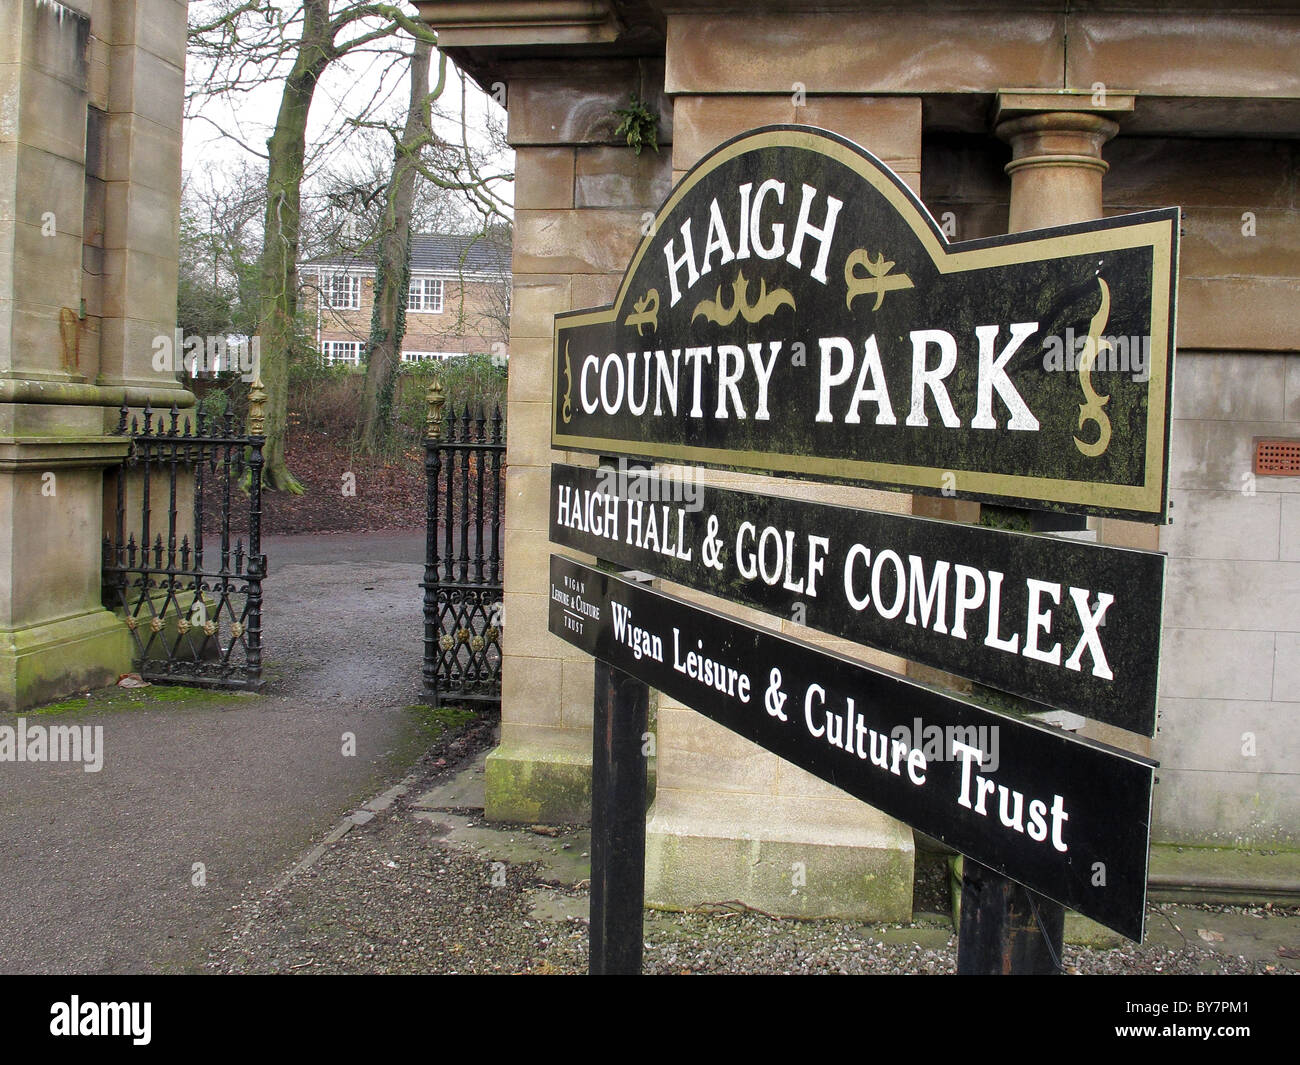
(464, 462)
(188, 582)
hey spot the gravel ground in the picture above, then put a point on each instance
(393, 897)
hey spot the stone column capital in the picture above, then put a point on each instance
(1056, 139)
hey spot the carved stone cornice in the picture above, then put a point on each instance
(489, 39)
(1216, 68)
(514, 23)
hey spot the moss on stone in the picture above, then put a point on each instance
(790, 878)
(535, 784)
(114, 699)
(51, 661)
(67, 706)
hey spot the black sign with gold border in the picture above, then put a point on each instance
(796, 310)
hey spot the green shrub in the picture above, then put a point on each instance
(326, 398)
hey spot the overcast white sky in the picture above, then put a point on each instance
(349, 87)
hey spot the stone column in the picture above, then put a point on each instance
(582, 202)
(141, 187)
(62, 76)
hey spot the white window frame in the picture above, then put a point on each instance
(430, 356)
(341, 352)
(330, 285)
(425, 296)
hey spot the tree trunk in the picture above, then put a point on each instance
(287, 149)
(392, 271)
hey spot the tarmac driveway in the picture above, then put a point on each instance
(132, 868)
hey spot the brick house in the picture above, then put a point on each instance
(458, 302)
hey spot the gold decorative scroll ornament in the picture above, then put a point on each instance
(646, 312)
(1091, 410)
(877, 280)
(566, 411)
(768, 303)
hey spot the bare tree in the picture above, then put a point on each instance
(220, 245)
(392, 271)
(243, 43)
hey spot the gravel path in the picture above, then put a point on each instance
(396, 895)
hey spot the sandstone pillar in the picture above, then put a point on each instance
(583, 200)
(68, 280)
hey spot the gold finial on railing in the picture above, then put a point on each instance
(436, 399)
(257, 408)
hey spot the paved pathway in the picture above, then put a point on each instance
(97, 870)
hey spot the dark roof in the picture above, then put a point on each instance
(442, 253)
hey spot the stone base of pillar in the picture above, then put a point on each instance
(48, 661)
(778, 855)
(532, 783)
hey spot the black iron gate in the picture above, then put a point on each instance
(188, 580)
(464, 460)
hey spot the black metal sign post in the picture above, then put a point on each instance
(619, 730)
(618, 791)
(1006, 929)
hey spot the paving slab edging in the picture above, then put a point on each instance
(367, 811)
